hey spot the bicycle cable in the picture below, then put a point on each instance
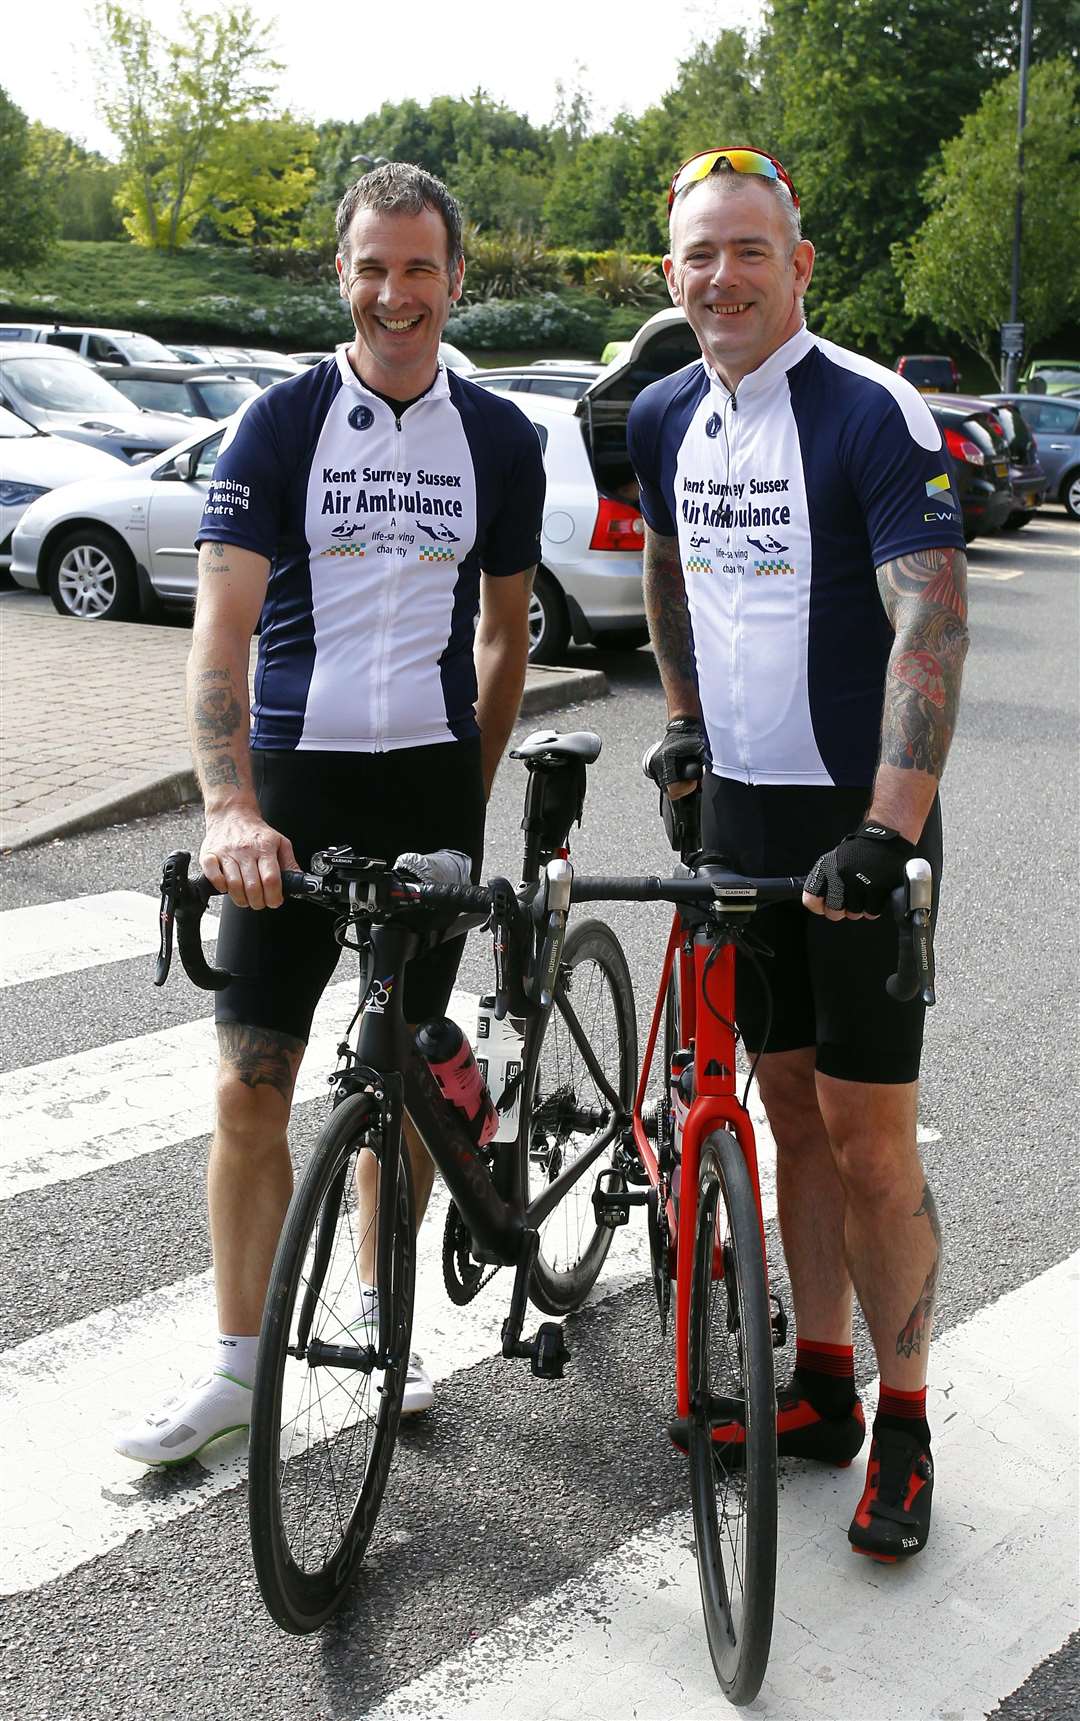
(749, 949)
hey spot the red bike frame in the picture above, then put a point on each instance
(715, 1104)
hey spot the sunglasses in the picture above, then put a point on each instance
(736, 161)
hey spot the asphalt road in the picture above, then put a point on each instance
(510, 1488)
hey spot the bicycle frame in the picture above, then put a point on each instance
(715, 1104)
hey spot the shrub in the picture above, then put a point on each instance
(506, 266)
(619, 279)
(307, 265)
(550, 319)
(576, 265)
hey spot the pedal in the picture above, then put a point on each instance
(779, 1322)
(549, 1353)
(612, 1204)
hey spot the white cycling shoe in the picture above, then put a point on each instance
(363, 1322)
(179, 1429)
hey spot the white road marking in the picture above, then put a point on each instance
(66, 1496)
(54, 938)
(1001, 574)
(994, 1593)
(78, 1114)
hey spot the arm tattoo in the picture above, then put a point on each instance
(217, 725)
(260, 1057)
(218, 714)
(911, 1335)
(669, 622)
(925, 599)
(220, 772)
(216, 552)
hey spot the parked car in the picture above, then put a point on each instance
(134, 541)
(452, 357)
(60, 392)
(309, 358)
(1055, 421)
(196, 391)
(1051, 376)
(100, 346)
(929, 372)
(976, 442)
(1026, 474)
(32, 464)
(569, 379)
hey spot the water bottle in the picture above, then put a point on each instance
(449, 1057)
(500, 1054)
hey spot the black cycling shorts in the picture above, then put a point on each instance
(827, 978)
(381, 804)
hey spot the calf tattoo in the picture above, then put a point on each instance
(260, 1057)
(909, 1339)
(925, 598)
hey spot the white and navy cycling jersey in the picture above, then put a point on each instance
(377, 529)
(785, 497)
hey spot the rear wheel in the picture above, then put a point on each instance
(567, 1111)
(1070, 493)
(549, 623)
(91, 576)
(324, 1417)
(1016, 521)
(622, 639)
(733, 1487)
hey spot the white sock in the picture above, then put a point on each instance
(234, 1356)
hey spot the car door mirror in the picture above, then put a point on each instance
(184, 464)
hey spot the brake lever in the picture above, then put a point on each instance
(912, 903)
(183, 904)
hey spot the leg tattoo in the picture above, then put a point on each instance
(260, 1057)
(910, 1337)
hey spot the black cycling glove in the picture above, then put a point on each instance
(861, 872)
(680, 756)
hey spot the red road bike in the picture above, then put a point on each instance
(697, 1159)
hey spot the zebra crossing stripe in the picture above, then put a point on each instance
(994, 1593)
(53, 938)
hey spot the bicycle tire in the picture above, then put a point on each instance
(319, 1456)
(558, 1085)
(731, 1358)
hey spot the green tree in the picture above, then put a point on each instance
(583, 206)
(28, 221)
(956, 269)
(167, 104)
(81, 184)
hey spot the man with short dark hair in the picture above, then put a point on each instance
(805, 581)
(373, 511)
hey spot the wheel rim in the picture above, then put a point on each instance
(1074, 495)
(537, 620)
(86, 581)
(569, 1113)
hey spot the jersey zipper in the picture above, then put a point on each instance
(731, 433)
(382, 714)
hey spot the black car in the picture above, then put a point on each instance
(975, 439)
(197, 391)
(1026, 475)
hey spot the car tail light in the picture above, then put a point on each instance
(962, 448)
(955, 372)
(618, 526)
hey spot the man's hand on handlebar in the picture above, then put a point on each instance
(855, 880)
(677, 763)
(243, 855)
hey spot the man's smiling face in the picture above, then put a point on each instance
(399, 288)
(733, 270)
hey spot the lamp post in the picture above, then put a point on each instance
(1012, 349)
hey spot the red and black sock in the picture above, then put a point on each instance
(905, 1412)
(825, 1377)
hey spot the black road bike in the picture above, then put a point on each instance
(334, 1345)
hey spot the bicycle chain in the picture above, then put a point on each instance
(463, 1276)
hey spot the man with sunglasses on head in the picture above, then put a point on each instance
(805, 581)
(382, 515)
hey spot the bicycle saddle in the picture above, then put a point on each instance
(546, 744)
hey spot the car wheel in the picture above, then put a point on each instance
(1015, 521)
(549, 624)
(91, 576)
(1070, 493)
(622, 639)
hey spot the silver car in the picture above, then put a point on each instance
(1055, 419)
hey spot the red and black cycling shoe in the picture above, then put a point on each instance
(892, 1520)
(801, 1432)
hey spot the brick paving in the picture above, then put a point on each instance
(92, 718)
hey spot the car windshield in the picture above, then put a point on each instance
(929, 373)
(11, 425)
(61, 385)
(221, 399)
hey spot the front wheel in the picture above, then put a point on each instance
(91, 576)
(732, 1483)
(566, 1113)
(324, 1414)
(1070, 493)
(549, 623)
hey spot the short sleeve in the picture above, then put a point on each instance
(244, 499)
(643, 442)
(903, 477)
(512, 539)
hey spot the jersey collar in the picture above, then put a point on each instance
(439, 388)
(758, 382)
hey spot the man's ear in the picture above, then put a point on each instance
(671, 279)
(339, 265)
(456, 285)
